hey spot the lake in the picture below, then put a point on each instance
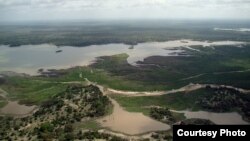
(29, 58)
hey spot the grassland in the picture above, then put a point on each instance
(177, 101)
(3, 102)
(90, 124)
(29, 90)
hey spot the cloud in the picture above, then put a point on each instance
(118, 3)
(80, 3)
(95, 9)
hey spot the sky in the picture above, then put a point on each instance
(35, 10)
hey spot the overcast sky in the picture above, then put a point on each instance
(22, 10)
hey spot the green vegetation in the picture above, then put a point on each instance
(207, 99)
(177, 101)
(210, 65)
(30, 90)
(89, 124)
(77, 97)
(55, 117)
(128, 32)
(166, 135)
(66, 105)
(224, 100)
(165, 115)
(3, 102)
(94, 135)
(195, 121)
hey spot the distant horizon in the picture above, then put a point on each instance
(65, 21)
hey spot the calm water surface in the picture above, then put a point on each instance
(130, 122)
(14, 108)
(217, 118)
(30, 58)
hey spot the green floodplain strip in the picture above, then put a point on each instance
(177, 101)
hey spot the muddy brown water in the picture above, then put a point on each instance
(16, 109)
(217, 118)
(129, 122)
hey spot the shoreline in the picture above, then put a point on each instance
(163, 48)
(124, 43)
